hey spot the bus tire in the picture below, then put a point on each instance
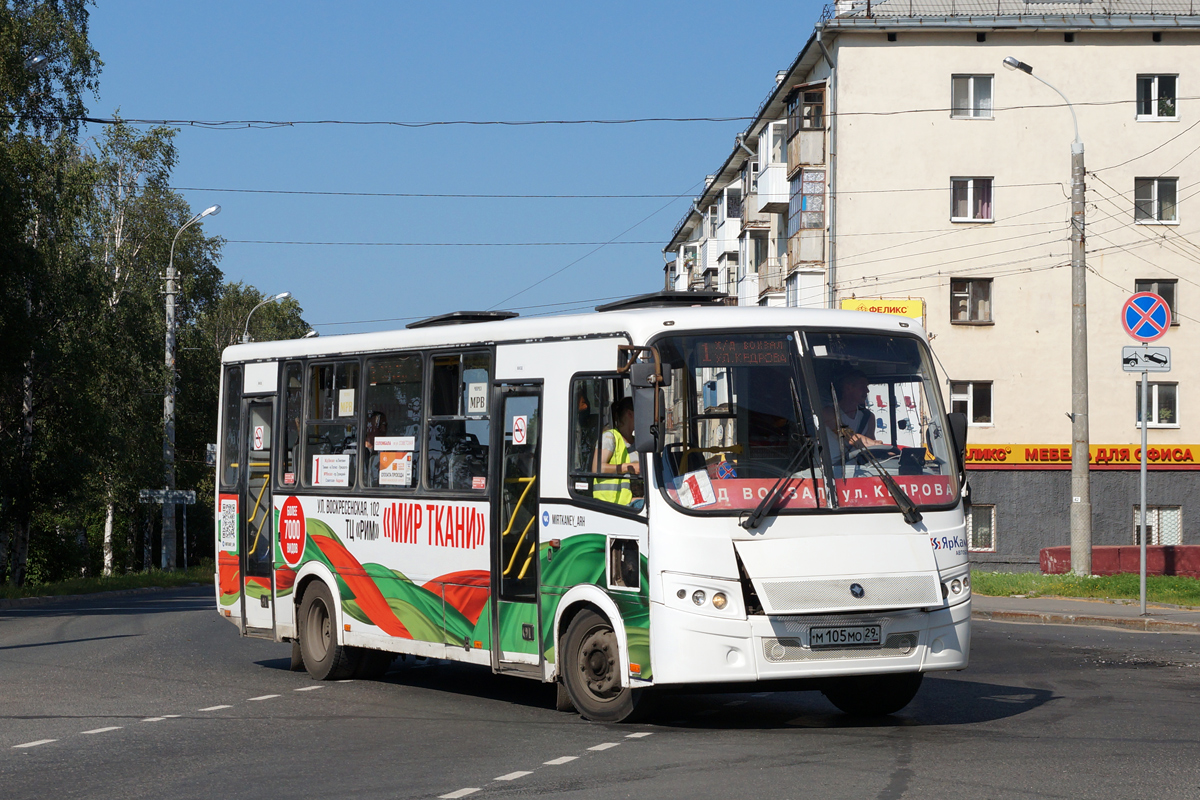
(592, 670)
(324, 658)
(873, 695)
(297, 664)
(373, 664)
(562, 699)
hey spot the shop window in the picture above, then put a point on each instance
(974, 399)
(392, 422)
(1166, 289)
(1164, 409)
(458, 422)
(331, 424)
(981, 523)
(1156, 97)
(971, 300)
(1164, 525)
(971, 96)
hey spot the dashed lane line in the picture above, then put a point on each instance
(34, 744)
(605, 746)
(306, 689)
(103, 730)
(458, 793)
(215, 708)
(261, 697)
(641, 735)
(557, 762)
(153, 719)
(512, 776)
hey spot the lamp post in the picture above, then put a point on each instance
(168, 531)
(1081, 494)
(246, 330)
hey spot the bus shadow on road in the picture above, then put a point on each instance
(940, 702)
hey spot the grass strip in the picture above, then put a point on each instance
(202, 573)
(1171, 589)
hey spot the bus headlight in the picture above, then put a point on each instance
(719, 600)
(956, 586)
(698, 597)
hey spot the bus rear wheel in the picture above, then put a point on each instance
(592, 670)
(873, 695)
(323, 657)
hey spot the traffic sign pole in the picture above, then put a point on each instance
(1145, 416)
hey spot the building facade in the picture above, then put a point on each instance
(897, 166)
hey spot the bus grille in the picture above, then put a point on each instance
(780, 650)
(800, 596)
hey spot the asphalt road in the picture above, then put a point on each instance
(155, 696)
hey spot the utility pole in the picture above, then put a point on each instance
(168, 528)
(1081, 491)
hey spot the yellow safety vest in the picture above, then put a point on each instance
(615, 490)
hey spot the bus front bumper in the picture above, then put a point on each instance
(695, 648)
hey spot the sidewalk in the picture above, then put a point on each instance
(1074, 611)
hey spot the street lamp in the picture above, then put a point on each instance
(168, 534)
(1081, 494)
(246, 330)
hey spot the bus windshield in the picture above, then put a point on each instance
(747, 416)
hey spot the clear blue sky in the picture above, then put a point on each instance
(441, 61)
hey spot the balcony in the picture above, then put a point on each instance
(772, 195)
(772, 276)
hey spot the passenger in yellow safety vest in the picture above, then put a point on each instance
(616, 456)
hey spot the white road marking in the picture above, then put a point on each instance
(605, 746)
(262, 697)
(215, 708)
(351, 680)
(170, 716)
(557, 762)
(35, 744)
(459, 793)
(103, 730)
(736, 703)
(512, 776)
(153, 719)
(307, 689)
(641, 735)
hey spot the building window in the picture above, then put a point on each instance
(1164, 525)
(806, 111)
(971, 96)
(971, 300)
(971, 199)
(806, 208)
(733, 203)
(973, 398)
(1164, 405)
(713, 221)
(1164, 289)
(779, 143)
(1156, 97)
(981, 523)
(1154, 199)
(793, 290)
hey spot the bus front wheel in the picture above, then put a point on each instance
(323, 657)
(873, 695)
(592, 670)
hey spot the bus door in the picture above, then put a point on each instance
(257, 528)
(515, 627)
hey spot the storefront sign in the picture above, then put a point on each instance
(1103, 456)
(914, 309)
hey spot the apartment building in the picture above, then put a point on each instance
(897, 166)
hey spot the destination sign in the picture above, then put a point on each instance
(742, 352)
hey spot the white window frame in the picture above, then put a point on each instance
(980, 508)
(968, 398)
(972, 105)
(972, 187)
(970, 294)
(1154, 101)
(1155, 410)
(1154, 523)
(1156, 219)
(778, 129)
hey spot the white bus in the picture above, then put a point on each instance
(469, 489)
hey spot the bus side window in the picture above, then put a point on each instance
(392, 422)
(458, 423)
(293, 408)
(231, 427)
(599, 451)
(331, 425)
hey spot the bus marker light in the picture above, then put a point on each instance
(635, 669)
(346, 626)
(719, 600)
(698, 597)
(479, 645)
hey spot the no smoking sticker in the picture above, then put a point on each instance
(520, 429)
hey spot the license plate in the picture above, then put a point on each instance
(845, 636)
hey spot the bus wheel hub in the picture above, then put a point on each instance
(598, 662)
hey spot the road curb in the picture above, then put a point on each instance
(1052, 618)
(25, 602)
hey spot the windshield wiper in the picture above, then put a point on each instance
(767, 504)
(909, 509)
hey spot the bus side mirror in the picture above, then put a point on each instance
(958, 435)
(647, 408)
